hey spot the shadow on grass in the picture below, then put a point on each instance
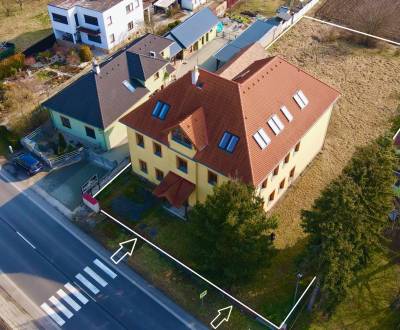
(27, 39)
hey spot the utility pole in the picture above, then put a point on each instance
(299, 276)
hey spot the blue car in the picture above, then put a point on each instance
(28, 163)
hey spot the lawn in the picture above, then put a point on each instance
(24, 27)
(266, 8)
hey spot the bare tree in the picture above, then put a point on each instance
(7, 6)
(20, 3)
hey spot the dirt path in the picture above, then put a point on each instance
(369, 81)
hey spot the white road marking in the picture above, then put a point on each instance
(50, 312)
(26, 240)
(60, 306)
(76, 293)
(86, 283)
(96, 277)
(68, 300)
(104, 268)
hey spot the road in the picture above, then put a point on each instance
(68, 278)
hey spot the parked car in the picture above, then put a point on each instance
(28, 163)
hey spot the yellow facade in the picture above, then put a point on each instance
(197, 173)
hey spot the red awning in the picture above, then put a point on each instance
(89, 31)
(175, 189)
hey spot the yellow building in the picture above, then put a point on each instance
(263, 127)
(89, 109)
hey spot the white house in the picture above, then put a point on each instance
(192, 4)
(99, 23)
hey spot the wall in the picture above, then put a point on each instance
(310, 146)
(153, 83)
(192, 4)
(78, 129)
(197, 173)
(211, 35)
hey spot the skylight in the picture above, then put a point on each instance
(301, 99)
(287, 113)
(262, 138)
(228, 142)
(160, 110)
(128, 85)
(276, 125)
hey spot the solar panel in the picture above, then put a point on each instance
(278, 122)
(225, 140)
(273, 126)
(287, 113)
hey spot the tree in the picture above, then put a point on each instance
(230, 233)
(345, 224)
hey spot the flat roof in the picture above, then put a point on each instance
(97, 5)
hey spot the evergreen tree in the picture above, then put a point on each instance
(231, 233)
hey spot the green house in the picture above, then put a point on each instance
(89, 108)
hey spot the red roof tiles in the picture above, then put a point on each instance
(240, 106)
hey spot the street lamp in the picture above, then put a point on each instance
(299, 276)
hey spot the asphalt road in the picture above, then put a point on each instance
(67, 277)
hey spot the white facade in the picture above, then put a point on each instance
(114, 25)
(192, 4)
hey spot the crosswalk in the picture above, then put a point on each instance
(68, 300)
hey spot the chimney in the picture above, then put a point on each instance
(96, 66)
(153, 54)
(195, 75)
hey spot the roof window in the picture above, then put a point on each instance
(160, 110)
(262, 138)
(129, 86)
(286, 113)
(276, 125)
(301, 99)
(228, 142)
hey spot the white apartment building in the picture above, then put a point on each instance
(99, 23)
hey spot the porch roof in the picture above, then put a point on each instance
(175, 189)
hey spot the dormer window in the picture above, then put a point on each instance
(160, 110)
(180, 137)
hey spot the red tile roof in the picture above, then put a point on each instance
(175, 189)
(240, 106)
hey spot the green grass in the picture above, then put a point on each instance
(263, 7)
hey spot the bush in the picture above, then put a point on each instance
(45, 55)
(11, 65)
(85, 53)
(73, 58)
(62, 144)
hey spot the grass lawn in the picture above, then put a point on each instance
(25, 27)
(266, 8)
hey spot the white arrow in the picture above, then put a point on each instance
(223, 316)
(129, 245)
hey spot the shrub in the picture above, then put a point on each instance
(45, 54)
(10, 65)
(29, 61)
(85, 53)
(73, 58)
(62, 144)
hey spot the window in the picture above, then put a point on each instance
(159, 175)
(272, 196)
(76, 19)
(282, 184)
(157, 75)
(90, 132)
(130, 26)
(276, 171)
(109, 20)
(136, 3)
(262, 138)
(112, 38)
(96, 39)
(143, 166)
(180, 137)
(60, 18)
(157, 149)
(160, 110)
(291, 174)
(129, 86)
(140, 140)
(287, 113)
(91, 20)
(212, 178)
(301, 99)
(287, 158)
(129, 8)
(264, 184)
(207, 37)
(228, 142)
(276, 125)
(297, 147)
(162, 54)
(181, 164)
(65, 122)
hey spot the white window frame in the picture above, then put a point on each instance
(262, 138)
(286, 113)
